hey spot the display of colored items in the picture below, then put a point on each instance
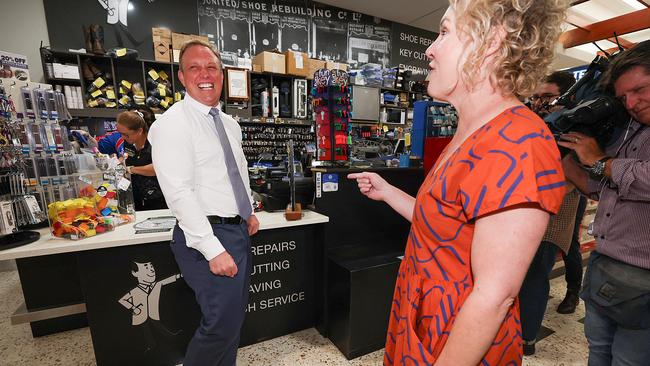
(102, 201)
(332, 112)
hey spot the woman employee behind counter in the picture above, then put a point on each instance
(134, 126)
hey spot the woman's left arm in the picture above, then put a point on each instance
(503, 247)
(146, 170)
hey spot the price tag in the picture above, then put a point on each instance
(120, 52)
(164, 103)
(111, 105)
(110, 94)
(93, 103)
(124, 184)
(124, 100)
(85, 179)
(163, 75)
(162, 90)
(96, 93)
(154, 75)
(99, 82)
(169, 100)
(407, 139)
(385, 128)
(126, 84)
(177, 96)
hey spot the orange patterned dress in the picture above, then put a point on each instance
(511, 160)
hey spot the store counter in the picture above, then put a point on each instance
(364, 242)
(71, 284)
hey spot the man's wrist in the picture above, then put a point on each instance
(597, 169)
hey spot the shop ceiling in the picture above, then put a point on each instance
(587, 21)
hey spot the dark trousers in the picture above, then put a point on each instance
(533, 296)
(573, 259)
(222, 300)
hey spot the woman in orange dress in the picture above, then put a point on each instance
(480, 214)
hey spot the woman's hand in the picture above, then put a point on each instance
(372, 185)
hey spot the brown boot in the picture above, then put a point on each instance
(87, 39)
(97, 37)
(94, 70)
(85, 71)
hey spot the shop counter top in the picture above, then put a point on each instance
(125, 235)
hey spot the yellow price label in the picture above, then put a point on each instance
(96, 93)
(163, 75)
(126, 84)
(99, 82)
(162, 90)
(154, 75)
(124, 100)
(177, 96)
(407, 139)
(385, 128)
(169, 100)
(164, 103)
(122, 90)
(120, 52)
(93, 103)
(111, 105)
(110, 94)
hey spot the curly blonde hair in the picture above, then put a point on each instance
(532, 29)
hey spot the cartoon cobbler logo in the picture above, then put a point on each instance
(143, 301)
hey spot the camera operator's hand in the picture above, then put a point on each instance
(586, 147)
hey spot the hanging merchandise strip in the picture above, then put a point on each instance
(331, 102)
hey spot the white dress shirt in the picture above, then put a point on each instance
(191, 170)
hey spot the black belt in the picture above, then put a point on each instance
(214, 219)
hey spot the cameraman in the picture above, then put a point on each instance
(617, 283)
(533, 295)
(553, 86)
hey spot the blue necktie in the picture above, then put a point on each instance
(241, 196)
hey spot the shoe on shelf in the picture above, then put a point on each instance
(569, 304)
(97, 39)
(87, 39)
(529, 348)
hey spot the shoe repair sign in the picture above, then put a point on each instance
(13, 66)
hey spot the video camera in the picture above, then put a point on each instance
(588, 108)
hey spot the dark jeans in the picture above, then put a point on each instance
(222, 299)
(533, 295)
(573, 259)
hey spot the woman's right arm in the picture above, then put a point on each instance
(376, 188)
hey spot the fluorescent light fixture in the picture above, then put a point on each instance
(634, 4)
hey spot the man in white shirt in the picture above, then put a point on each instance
(199, 162)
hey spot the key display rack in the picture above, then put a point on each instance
(267, 142)
(331, 105)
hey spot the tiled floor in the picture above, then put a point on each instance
(566, 346)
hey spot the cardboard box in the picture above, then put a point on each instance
(331, 65)
(178, 39)
(314, 65)
(297, 63)
(257, 68)
(270, 62)
(162, 41)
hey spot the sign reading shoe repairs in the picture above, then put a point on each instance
(13, 66)
(409, 46)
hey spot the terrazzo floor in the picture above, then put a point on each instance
(566, 346)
